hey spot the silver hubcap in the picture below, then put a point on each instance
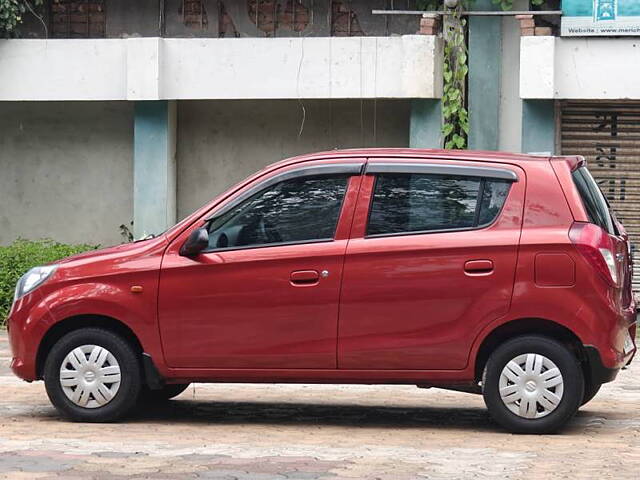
(90, 376)
(531, 385)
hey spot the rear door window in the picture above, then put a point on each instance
(412, 203)
(593, 200)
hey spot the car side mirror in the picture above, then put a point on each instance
(197, 241)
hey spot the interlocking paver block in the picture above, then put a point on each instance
(315, 432)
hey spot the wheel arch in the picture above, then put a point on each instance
(61, 328)
(527, 326)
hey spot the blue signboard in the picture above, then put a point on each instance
(600, 17)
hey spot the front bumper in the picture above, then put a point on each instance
(27, 323)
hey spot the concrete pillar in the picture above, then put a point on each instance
(510, 116)
(485, 59)
(154, 167)
(538, 126)
(425, 129)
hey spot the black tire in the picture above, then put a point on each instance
(565, 361)
(590, 390)
(130, 375)
(164, 394)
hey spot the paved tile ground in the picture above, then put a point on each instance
(309, 432)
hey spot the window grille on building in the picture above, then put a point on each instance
(77, 18)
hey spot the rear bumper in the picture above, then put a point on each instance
(614, 338)
(604, 360)
(596, 371)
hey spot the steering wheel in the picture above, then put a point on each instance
(269, 233)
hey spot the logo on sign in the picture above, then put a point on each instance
(604, 10)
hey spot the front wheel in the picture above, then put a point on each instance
(92, 375)
(532, 384)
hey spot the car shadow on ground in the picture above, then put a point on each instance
(472, 419)
(200, 412)
(288, 414)
(185, 410)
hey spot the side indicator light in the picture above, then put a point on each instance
(136, 289)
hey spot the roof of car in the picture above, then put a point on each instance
(399, 154)
(403, 154)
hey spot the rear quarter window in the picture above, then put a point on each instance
(593, 200)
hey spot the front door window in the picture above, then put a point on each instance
(300, 210)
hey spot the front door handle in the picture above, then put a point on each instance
(304, 277)
(478, 267)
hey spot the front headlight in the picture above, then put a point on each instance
(33, 279)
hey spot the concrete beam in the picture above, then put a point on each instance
(537, 67)
(406, 66)
(143, 69)
(579, 68)
(154, 167)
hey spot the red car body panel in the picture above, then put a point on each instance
(94, 283)
(396, 309)
(407, 300)
(243, 309)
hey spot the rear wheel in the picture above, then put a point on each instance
(532, 384)
(162, 395)
(92, 375)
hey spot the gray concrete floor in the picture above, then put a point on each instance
(309, 432)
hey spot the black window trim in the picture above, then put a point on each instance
(346, 169)
(440, 230)
(428, 232)
(583, 170)
(267, 245)
(441, 169)
(308, 171)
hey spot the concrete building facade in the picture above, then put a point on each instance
(143, 111)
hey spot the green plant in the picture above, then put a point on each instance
(22, 255)
(455, 125)
(126, 232)
(455, 118)
(508, 4)
(429, 5)
(11, 13)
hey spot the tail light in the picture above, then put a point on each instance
(597, 247)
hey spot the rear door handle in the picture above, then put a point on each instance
(478, 267)
(304, 277)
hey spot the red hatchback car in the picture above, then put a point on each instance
(486, 272)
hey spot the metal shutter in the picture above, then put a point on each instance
(607, 134)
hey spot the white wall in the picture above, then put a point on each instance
(579, 68)
(222, 142)
(67, 167)
(218, 68)
(66, 170)
(63, 69)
